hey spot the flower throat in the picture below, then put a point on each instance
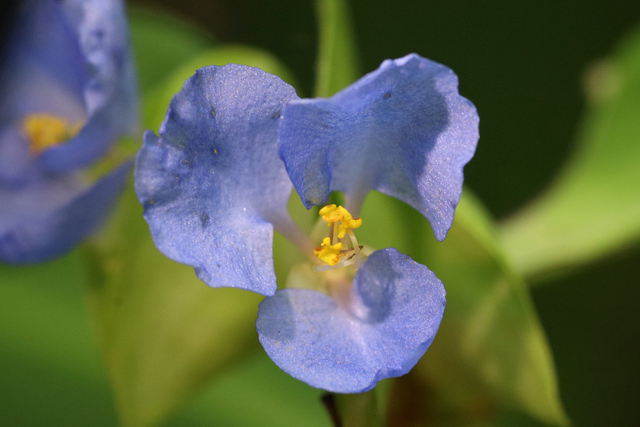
(46, 130)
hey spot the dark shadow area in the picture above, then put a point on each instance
(593, 325)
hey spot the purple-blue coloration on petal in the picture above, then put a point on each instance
(402, 130)
(52, 216)
(346, 346)
(69, 59)
(212, 183)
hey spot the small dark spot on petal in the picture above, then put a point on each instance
(387, 95)
(276, 115)
(212, 112)
(204, 219)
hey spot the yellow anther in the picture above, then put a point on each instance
(329, 253)
(347, 222)
(46, 130)
(331, 214)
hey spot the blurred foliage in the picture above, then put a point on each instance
(593, 208)
(359, 410)
(162, 43)
(164, 334)
(337, 63)
(50, 369)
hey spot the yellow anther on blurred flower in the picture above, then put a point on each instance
(329, 253)
(46, 130)
(332, 214)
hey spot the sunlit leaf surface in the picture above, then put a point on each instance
(593, 207)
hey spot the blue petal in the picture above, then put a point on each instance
(402, 130)
(394, 312)
(17, 164)
(212, 184)
(48, 219)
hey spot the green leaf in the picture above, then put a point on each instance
(337, 65)
(164, 334)
(161, 43)
(490, 344)
(157, 101)
(254, 393)
(50, 367)
(593, 208)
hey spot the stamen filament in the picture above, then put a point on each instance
(356, 248)
(290, 230)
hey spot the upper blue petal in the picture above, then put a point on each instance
(212, 184)
(51, 217)
(402, 130)
(394, 312)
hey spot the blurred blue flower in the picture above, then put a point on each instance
(67, 92)
(214, 187)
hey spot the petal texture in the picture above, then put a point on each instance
(212, 184)
(380, 330)
(402, 130)
(51, 217)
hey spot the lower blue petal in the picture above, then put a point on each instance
(50, 218)
(389, 321)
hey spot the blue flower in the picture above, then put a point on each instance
(67, 93)
(216, 183)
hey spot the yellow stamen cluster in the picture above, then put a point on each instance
(332, 214)
(46, 130)
(329, 253)
(341, 222)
